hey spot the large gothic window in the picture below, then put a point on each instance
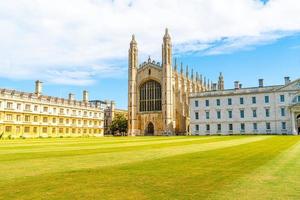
(150, 96)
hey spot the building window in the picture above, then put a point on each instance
(207, 114)
(229, 101)
(219, 114)
(241, 100)
(18, 118)
(268, 126)
(197, 127)
(267, 112)
(196, 103)
(282, 111)
(61, 120)
(8, 129)
(35, 108)
(207, 127)
(45, 109)
(229, 114)
(254, 113)
(45, 119)
(219, 127)
(298, 98)
(230, 127)
(267, 99)
(150, 96)
(35, 129)
(44, 129)
(27, 129)
(27, 107)
(27, 118)
(9, 117)
(9, 105)
(218, 102)
(35, 118)
(282, 98)
(255, 126)
(54, 120)
(253, 100)
(283, 125)
(18, 106)
(196, 115)
(242, 113)
(206, 103)
(242, 127)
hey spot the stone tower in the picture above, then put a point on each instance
(132, 71)
(167, 96)
(221, 82)
(158, 95)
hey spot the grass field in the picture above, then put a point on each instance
(220, 167)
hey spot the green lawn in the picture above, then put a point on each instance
(220, 167)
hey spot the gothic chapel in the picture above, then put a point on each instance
(158, 95)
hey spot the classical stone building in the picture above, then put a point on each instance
(158, 95)
(262, 110)
(24, 114)
(109, 114)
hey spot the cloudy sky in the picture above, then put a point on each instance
(83, 44)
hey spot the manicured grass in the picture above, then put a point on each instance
(220, 167)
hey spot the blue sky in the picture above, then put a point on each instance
(85, 47)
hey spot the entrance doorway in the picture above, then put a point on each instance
(298, 124)
(150, 129)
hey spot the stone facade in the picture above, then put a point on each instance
(158, 94)
(29, 115)
(261, 110)
(109, 114)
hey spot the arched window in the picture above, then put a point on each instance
(150, 96)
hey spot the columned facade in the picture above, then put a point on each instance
(295, 118)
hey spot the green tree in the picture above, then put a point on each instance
(119, 124)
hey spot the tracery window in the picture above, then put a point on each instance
(150, 96)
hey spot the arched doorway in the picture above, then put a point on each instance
(149, 129)
(298, 124)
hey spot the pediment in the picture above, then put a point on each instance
(294, 85)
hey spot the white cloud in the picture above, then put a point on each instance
(84, 39)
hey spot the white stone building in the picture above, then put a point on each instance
(262, 110)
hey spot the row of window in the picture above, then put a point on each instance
(242, 113)
(242, 101)
(242, 127)
(28, 118)
(8, 129)
(46, 109)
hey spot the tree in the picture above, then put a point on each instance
(119, 124)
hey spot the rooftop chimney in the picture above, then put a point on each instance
(236, 85)
(71, 97)
(38, 87)
(287, 80)
(85, 96)
(261, 82)
(214, 87)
